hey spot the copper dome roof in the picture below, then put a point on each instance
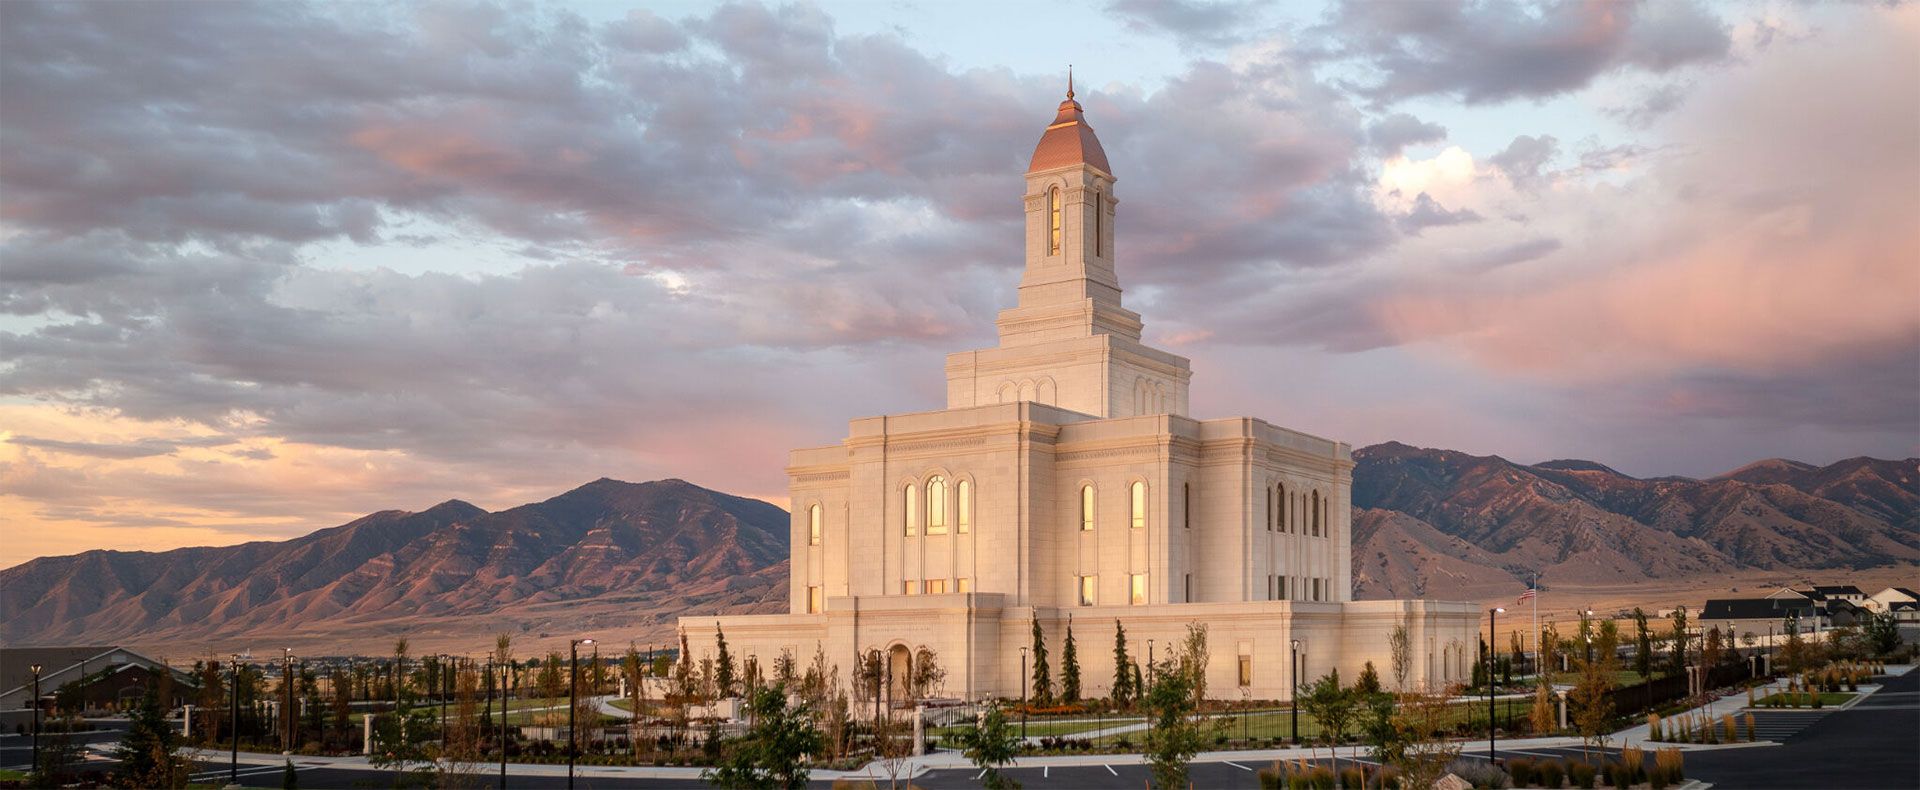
(1069, 141)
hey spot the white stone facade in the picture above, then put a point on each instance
(956, 529)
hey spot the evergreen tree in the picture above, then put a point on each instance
(1882, 633)
(1069, 668)
(1679, 658)
(146, 754)
(723, 670)
(991, 746)
(1042, 675)
(1369, 683)
(1642, 645)
(1123, 685)
(770, 756)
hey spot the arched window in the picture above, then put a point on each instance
(963, 506)
(1053, 212)
(813, 525)
(1086, 508)
(1099, 224)
(1139, 505)
(937, 506)
(913, 505)
(1316, 514)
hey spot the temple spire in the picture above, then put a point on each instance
(1069, 80)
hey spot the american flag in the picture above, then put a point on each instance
(1525, 595)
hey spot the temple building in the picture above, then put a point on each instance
(1065, 483)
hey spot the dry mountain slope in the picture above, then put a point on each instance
(1453, 525)
(631, 554)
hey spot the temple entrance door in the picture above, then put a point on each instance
(900, 662)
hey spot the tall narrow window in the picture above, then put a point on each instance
(1088, 587)
(1269, 510)
(913, 510)
(1137, 587)
(1099, 224)
(1086, 508)
(1139, 505)
(1053, 212)
(1186, 505)
(813, 600)
(1188, 592)
(813, 525)
(963, 507)
(1283, 507)
(1316, 514)
(937, 506)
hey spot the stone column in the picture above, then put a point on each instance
(919, 730)
(1563, 710)
(186, 721)
(366, 739)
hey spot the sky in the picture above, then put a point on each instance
(268, 267)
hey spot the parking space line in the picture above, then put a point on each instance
(1110, 770)
(1237, 765)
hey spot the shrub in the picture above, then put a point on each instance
(1671, 763)
(1750, 726)
(1657, 778)
(1477, 773)
(1816, 701)
(1320, 778)
(1553, 774)
(1521, 769)
(1352, 778)
(1636, 761)
(1271, 778)
(1582, 774)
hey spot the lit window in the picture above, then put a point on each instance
(1086, 508)
(963, 506)
(937, 506)
(965, 585)
(1087, 590)
(814, 600)
(936, 586)
(1053, 211)
(910, 587)
(1246, 671)
(813, 525)
(1139, 505)
(913, 504)
(1138, 585)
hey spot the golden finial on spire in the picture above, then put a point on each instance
(1069, 80)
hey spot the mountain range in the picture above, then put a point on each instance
(626, 559)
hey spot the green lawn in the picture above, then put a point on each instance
(12, 776)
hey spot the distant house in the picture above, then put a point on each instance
(103, 677)
(1883, 600)
(1757, 615)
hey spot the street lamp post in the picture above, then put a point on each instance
(504, 700)
(286, 715)
(753, 684)
(573, 695)
(1149, 664)
(1293, 676)
(233, 770)
(1023, 697)
(36, 716)
(1492, 617)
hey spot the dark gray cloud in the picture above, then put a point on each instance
(1496, 50)
(1192, 22)
(1428, 213)
(144, 448)
(1392, 134)
(1523, 159)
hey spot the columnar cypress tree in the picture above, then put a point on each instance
(1123, 687)
(1042, 676)
(723, 670)
(1642, 644)
(1069, 668)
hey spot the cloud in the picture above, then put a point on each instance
(1193, 22)
(1392, 134)
(1523, 158)
(1428, 213)
(1494, 51)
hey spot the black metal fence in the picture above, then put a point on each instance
(1651, 694)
